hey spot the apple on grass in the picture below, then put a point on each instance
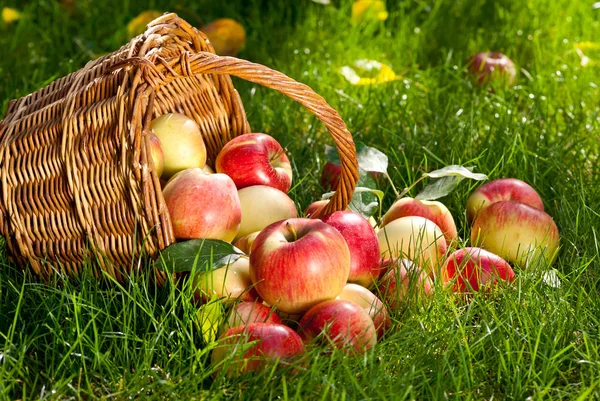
(415, 238)
(255, 159)
(231, 282)
(404, 283)
(226, 35)
(342, 324)
(502, 189)
(492, 67)
(432, 210)
(370, 303)
(473, 269)
(246, 312)
(182, 142)
(516, 232)
(250, 348)
(203, 205)
(263, 205)
(362, 242)
(298, 263)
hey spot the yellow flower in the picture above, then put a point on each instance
(138, 25)
(368, 10)
(368, 72)
(10, 15)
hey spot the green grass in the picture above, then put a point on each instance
(91, 338)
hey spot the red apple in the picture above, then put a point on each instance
(261, 206)
(404, 282)
(502, 189)
(362, 242)
(250, 348)
(230, 282)
(364, 298)
(415, 238)
(491, 67)
(156, 153)
(244, 243)
(330, 176)
(298, 263)
(474, 269)
(245, 313)
(316, 207)
(255, 159)
(182, 142)
(203, 205)
(516, 232)
(432, 210)
(345, 325)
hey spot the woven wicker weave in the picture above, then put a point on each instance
(76, 178)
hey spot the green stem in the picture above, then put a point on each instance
(407, 189)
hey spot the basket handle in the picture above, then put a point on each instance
(189, 64)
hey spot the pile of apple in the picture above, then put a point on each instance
(329, 279)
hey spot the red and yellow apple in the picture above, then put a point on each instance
(156, 154)
(404, 283)
(516, 232)
(473, 269)
(255, 159)
(502, 189)
(182, 142)
(298, 263)
(244, 243)
(245, 313)
(343, 324)
(362, 242)
(246, 349)
(431, 210)
(492, 67)
(230, 282)
(369, 302)
(261, 206)
(203, 205)
(415, 238)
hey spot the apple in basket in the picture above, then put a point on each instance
(298, 263)
(181, 141)
(203, 205)
(255, 159)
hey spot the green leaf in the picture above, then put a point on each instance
(369, 159)
(201, 254)
(208, 319)
(456, 171)
(439, 188)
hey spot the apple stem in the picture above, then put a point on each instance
(278, 154)
(291, 229)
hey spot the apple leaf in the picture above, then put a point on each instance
(448, 179)
(208, 319)
(369, 159)
(201, 254)
(456, 171)
(365, 201)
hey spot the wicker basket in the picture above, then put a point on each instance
(76, 177)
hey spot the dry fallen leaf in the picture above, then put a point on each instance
(10, 15)
(368, 10)
(138, 25)
(368, 72)
(226, 35)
